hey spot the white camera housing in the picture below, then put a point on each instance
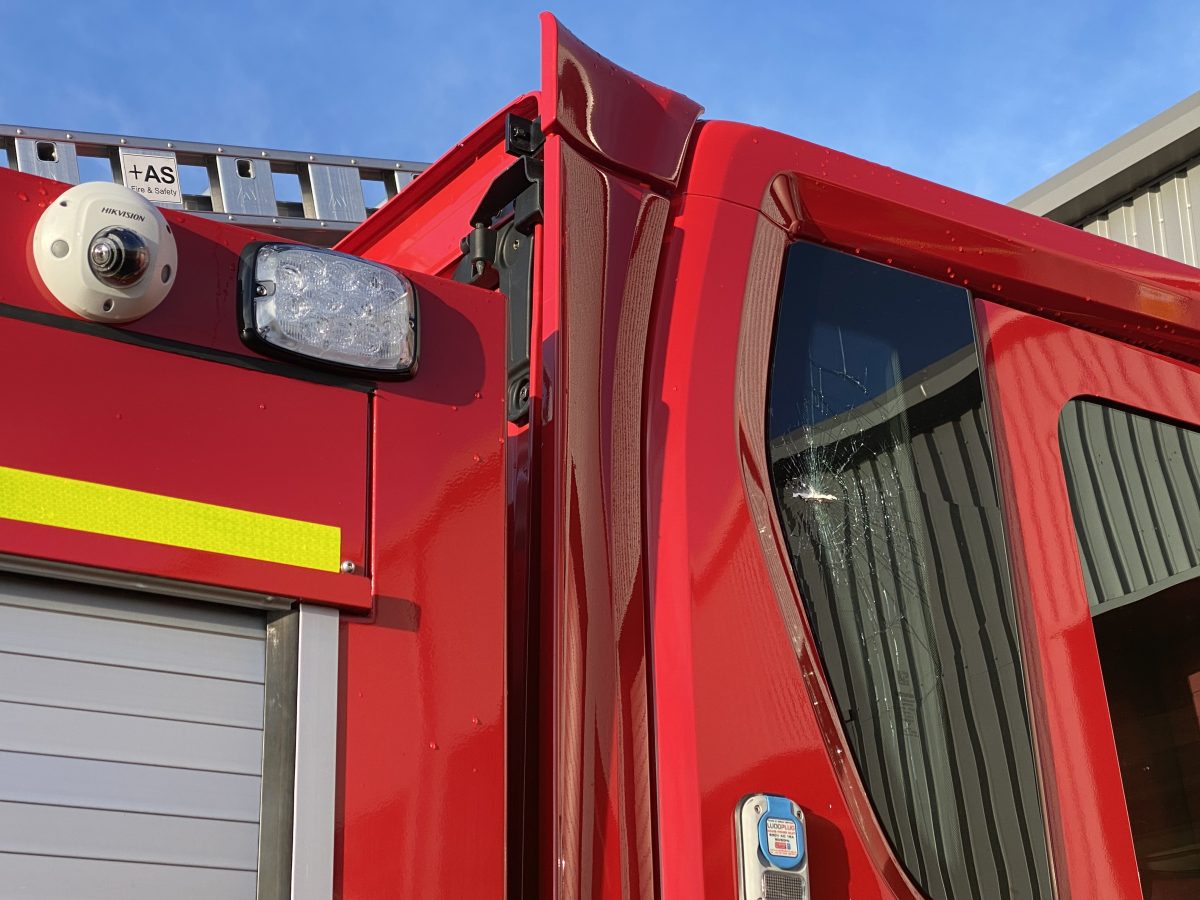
(64, 250)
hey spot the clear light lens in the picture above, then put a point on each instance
(333, 307)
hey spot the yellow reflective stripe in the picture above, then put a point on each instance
(120, 512)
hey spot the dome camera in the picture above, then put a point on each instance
(105, 252)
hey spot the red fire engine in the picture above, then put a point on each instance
(633, 506)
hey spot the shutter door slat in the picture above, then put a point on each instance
(57, 878)
(101, 688)
(130, 744)
(147, 609)
(129, 739)
(130, 644)
(29, 778)
(131, 837)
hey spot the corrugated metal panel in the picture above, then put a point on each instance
(1134, 484)
(130, 744)
(1160, 217)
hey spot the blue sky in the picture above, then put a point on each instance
(991, 98)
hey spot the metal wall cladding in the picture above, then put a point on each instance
(130, 744)
(1134, 484)
(1163, 217)
(1133, 480)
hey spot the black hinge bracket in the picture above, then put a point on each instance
(498, 251)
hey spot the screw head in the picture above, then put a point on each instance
(347, 567)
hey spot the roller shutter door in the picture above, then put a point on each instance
(130, 744)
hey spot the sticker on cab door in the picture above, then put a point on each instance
(781, 838)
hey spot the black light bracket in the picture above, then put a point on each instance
(498, 251)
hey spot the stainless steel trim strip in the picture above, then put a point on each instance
(316, 754)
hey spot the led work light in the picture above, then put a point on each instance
(329, 309)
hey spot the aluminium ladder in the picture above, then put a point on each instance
(312, 197)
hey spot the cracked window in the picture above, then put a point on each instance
(882, 472)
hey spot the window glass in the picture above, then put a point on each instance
(882, 472)
(1132, 480)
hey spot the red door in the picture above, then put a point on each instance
(1097, 445)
